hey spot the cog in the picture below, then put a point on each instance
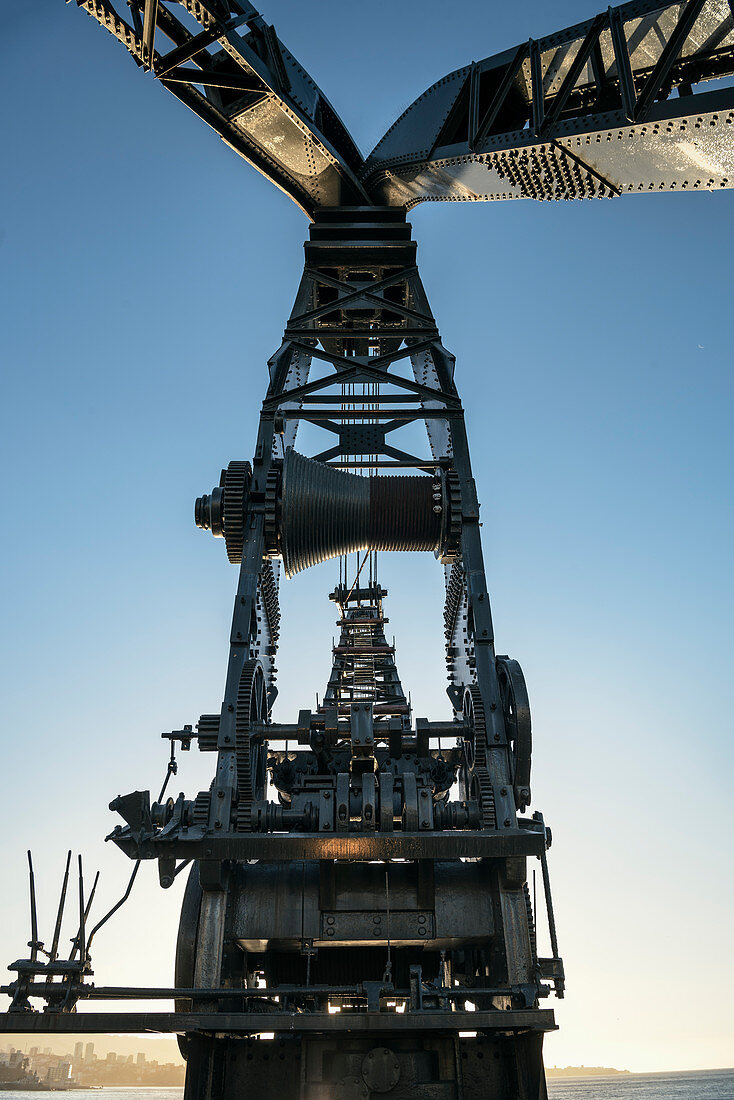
(235, 481)
(252, 711)
(478, 781)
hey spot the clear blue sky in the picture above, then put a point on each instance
(147, 275)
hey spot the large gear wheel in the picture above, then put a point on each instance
(516, 711)
(235, 481)
(272, 485)
(477, 780)
(450, 552)
(252, 713)
(223, 510)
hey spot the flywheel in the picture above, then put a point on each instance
(516, 712)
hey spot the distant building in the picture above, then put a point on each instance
(89, 1052)
(59, 1072)
(78, 1051)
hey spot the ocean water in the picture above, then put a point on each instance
(717, 1084)
(168, 1093)
(704, 1085)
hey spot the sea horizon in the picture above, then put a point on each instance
(702, 1084)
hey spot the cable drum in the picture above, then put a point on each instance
(322, 513)
(403, 513)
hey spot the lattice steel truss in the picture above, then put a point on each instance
(360, 860)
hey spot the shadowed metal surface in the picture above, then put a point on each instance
(636, 99)
(630, 101)
(384, 891)
(235, 73)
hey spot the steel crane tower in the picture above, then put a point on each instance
(358, 881)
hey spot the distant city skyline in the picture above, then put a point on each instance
(83, 1068)
(148, 274)
(159, 1049)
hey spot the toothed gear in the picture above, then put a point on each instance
(223, 510)
(235, 481)
(454, 592)
(252, 711)
(269, 592)
(479, 782)
(208, 730)
(202, 804)
(451, 534)
(272, 484)
(531, 922)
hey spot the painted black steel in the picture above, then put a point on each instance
(383, 893)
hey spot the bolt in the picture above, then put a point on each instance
(503, 790)
(230, 707)
(227, 739)
(496, 737)
(208, 852)
(327, 794)
(239, 633)
(424, 793)
(507, 822)
(220, 794)
(217, 824)
(493, 706)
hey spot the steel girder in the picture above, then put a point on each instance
(583, 113)
(234, 72)
(586, 112)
